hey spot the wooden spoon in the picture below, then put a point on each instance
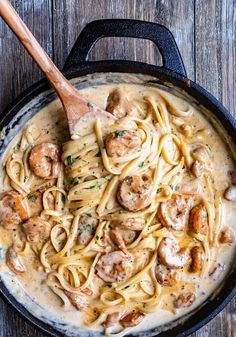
(80, 113)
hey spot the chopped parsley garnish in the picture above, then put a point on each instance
(141, 164)
(90, 105)
(89, 215)
(159, 190)
(97, 237)
(120, 133)
(31, 197)
(70, 160)
(96, 185)
(109, 285)
(92, 186)
(63, 198)
(126, 287)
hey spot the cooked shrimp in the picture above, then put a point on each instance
(123, 142)
(135, 224)
(115, 266)
(134, 193)
(14, 261)
(198, 220)
(112, 319)
(12, 209)
(174, 213)
(118, 104)
(197, 168)
(197, 255)
(166, 276)
(122, 237)
(79, 301)
(132, 319)
(36, 229)
(87, 227)
(43, 160)
(185, 300)
(171, 255)
(226, 236)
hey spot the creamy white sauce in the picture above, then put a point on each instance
(29, 288)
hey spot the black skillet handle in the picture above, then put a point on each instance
(98, 29)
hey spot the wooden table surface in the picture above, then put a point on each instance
(205, 31)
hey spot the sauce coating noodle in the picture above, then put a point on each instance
(125, 222)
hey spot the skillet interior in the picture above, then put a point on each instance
(32, 103)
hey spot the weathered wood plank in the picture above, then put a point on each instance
(178, 16)
(12, 325)
(18, 71)
(215, 34)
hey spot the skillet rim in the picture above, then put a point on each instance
(228, 290)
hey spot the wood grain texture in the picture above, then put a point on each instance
(205, 32)
(17, 69)
(215, 41)
(76, 14)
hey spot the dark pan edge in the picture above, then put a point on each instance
(228, 291)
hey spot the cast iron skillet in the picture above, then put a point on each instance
(173, 71)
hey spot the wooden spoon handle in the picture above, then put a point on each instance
(55, 77)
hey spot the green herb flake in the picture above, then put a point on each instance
(92, 186)
(159, 190)
(97, 238)
(89, 215)
(31, 197)
(70, 160)
(120, 133)
(141, 164)
(90, 105)
(126, 287)
(109, 285)
(63, 199)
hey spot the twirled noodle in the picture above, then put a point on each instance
(88, 219)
